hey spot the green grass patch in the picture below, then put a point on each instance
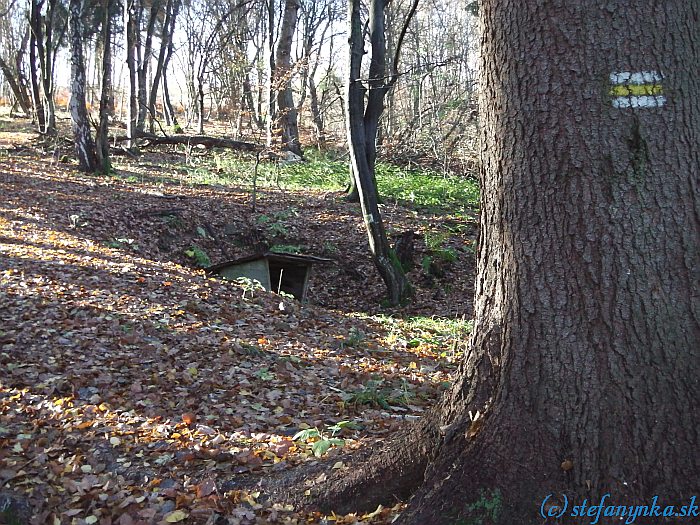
(378, 394)
(427, 189)
(322, 171)
(444, 336)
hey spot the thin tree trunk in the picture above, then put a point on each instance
(105, 91)
(248, 102)
(144, 67)
(51, 44)
(272, 89)
(199, 100)
(166, 36)
(167, 104)
(130, 30)
(316, 116)
(19, 95)
(43, 28)
(375, 100)
(363, 155)
(34, 42)
(84, 144)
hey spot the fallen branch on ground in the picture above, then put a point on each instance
(195, 140)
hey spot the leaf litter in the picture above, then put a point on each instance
(135, 389)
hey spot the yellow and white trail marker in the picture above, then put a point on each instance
(637, 90)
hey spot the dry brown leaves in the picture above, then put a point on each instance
(136, 390)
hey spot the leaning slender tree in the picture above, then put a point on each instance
(84, 144)
(362, 119)
(581, 376)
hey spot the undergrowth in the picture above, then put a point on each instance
(424, 189)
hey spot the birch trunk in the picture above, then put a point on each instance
(84, 144)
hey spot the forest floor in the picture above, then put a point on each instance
(136, 389)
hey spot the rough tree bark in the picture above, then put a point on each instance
(362, 123)
(84, 144)
(581, 374)
(286, 115)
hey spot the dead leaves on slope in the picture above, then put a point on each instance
(138, 391)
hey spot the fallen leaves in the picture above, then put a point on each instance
(132, 389)
(176, 516)
(189, 418)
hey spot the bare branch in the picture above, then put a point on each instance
(395, 67)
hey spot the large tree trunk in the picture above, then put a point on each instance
(84, 145)
(581, 375)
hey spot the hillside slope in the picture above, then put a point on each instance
(135, 389)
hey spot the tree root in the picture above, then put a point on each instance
(382, 474)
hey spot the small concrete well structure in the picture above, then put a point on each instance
(276, 272)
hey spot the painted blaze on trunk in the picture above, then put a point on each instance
(581, 377)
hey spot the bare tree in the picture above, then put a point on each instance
(144, 56)
(285, 117)
(131, 36)
(35, 39)
(47, 30)
(168, 110)
(317, 19)
(15, 39)
(102, 136)
(208, 34)
(431, 111)
(362, 124)
(166, 36)
(271, 95)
